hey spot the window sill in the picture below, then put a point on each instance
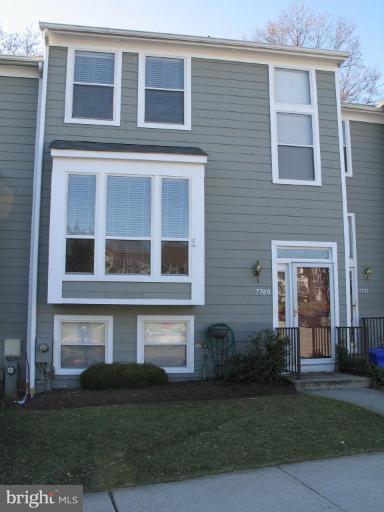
(178, 370)
(297, 182)
(164, 126)
(102, 122)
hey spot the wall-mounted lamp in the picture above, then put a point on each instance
(368, 273)
(257, 270)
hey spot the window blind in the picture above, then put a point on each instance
(128, 206)
(93, 90)
(164, 73)
(81, 205)
(175, 208)
(94, 67)
(164, 93)
(292, 86)
(294, 129)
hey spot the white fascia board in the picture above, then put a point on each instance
(118, 155)
(67, 30)
(19, 71)
(364, 114)
(182, 48)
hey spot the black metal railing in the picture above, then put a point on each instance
(374, 331)
(321, 342)
(292, 357)
(354, 343)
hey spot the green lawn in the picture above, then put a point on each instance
(107, 447)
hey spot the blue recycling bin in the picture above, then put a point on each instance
(376, 357)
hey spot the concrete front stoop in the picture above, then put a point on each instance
(334, 380)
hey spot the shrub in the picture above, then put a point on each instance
(122, 376)
(352, 363)
(264, 360)
(377, 376)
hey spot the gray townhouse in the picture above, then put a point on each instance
(154, 184)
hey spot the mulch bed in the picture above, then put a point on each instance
(74, 398)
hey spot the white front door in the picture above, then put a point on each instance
(306, 299)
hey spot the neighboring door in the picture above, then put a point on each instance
(354, 297)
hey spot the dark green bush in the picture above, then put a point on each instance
(377, 376)
(263, 361)
(122, 376)
(352, 363)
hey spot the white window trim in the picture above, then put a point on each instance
(348, 169)
(59, 319)
(135, 164)
(141, 123)
(190, 350)
(312, 110)
(352, 239)
(68, 117)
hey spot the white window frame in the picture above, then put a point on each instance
(66, 162)
(286, 108)
(59, 319)
(190, 348)
(68, 115)
(347, 144)
(141, 123)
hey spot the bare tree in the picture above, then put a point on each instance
(21, 43)
(301, 25)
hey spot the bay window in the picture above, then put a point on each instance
(294, 127)
(127, 220)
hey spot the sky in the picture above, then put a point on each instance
(216, 18)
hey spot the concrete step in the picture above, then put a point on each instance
(333, 380)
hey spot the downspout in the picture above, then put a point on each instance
(344, 198)
(35, 225)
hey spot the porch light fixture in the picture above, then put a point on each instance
(257, 270)
(368, 273)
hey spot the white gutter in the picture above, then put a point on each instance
(344, 199)
(35, 226)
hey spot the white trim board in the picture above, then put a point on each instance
(190, 347)
(363, 116)
(19, 71)
(185, 49)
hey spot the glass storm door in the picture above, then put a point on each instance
(312, 308)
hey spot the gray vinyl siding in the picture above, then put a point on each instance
(244, 210)
(366, 200)
(122, 290)
(18, 106)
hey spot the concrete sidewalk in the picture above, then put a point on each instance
(348, 484)
(371, 399)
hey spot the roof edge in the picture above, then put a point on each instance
(20, 60)
(358, 107)
(335, 56)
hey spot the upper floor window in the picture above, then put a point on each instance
(164, 93)
(93, 87)
(294, 127)
(347, 148)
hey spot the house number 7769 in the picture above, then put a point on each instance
(263, 291)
